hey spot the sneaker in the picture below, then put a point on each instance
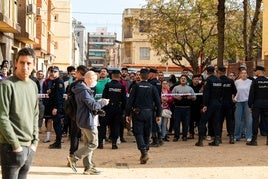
(208, 138)
(55, 146)
(184, 139)
(72, 162)
(46, 140)
(91, 171)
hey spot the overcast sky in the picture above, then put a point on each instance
(103, 13)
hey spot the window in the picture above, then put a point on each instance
(144, 53)
(144, 25)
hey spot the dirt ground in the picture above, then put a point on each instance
(170, 155)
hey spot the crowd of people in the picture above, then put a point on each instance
(146, 104)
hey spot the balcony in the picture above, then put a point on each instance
(26, 38)
(8, 26)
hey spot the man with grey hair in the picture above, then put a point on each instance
(87, 121)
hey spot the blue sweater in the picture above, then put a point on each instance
(86, 104)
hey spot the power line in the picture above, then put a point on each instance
(99, 13)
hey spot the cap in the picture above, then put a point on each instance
(115, 72)
(55, 68)
(242, 67)
(152, 70)
(259, 68)
(222, 69)
(144, 70)
(210, 69)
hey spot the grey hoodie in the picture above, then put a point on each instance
(86, 104)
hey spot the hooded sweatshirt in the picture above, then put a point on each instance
(86, 104)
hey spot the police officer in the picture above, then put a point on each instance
(211, 107)
(258, 102)
(156, 133)
(116, 92)
(229, 91)
(143, 101)
(56, 101)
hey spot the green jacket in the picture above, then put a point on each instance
(18, 112)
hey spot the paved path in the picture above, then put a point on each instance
(154, 173)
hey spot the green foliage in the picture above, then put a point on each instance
(187, 29)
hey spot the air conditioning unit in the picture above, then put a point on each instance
(31, 9)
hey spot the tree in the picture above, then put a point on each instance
(183, 30)
(220, 27)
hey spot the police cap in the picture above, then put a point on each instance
(144, 70)
(55, 68)
(152, 70)
(115, 72)
(210, 69)
(259, 68)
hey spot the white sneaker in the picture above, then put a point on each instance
(208, 138)
(46, 140)
(248, 140)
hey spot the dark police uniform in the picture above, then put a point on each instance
(258, 102)
(116, 92)
(227, 110)
(144, 99)
(156, 133)
(212, 97)
(56, 101)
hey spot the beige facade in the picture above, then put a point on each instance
(17, 27)
(136, 49)
(45, 48)
(63, 34)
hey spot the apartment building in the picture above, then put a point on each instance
(44, 32)
(62, 28)
(136, 50)
(17, 27)
(80, 39)
(98, 43)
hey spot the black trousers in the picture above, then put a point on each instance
(228, 114)
(114, 119)
(256, 114)
(212, 114)
(75, 135)
(142, 124)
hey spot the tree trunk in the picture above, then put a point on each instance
(245, 29)
(220, 27)
(253, 29)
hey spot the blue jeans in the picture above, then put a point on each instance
(163, 126)
(182, 115)
(15, 164)
(242, 115)
(90, 139)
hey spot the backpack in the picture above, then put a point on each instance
(70, 106)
